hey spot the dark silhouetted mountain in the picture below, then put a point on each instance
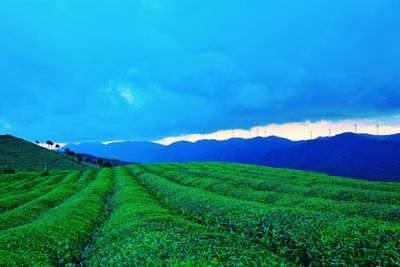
(346, 154)
(392, 137)
(231, 150)
(358, 156)
(235, 150)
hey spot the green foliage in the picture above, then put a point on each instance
(22, 182)
(11, 201)
(33, 209)
(21, 155)
(141, 232)
(7, 170)
(45, 173)
(197, 214)
(302, 236)
(72, 223)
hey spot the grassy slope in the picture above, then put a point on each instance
(21, 155)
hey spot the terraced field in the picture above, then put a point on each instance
(197, 214)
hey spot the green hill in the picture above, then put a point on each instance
(197, 214)
(20, 155)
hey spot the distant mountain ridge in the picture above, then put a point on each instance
(347, 154)
(234, 149)
(353, 155)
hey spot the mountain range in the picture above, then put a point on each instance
(359, 156)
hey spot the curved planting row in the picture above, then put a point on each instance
(306, 178)
(33, 209)
(141, 232)
(300, 237)
(12, 201)
(24, 185)
(312, 188)
(9, 179)
(238, 189)
(58, 236)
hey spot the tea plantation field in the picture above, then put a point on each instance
(197, 214)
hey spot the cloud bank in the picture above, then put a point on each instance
(91, 70)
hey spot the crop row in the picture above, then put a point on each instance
(235, 187)
(303, 177)
(8, 179)
(300, 237)
(33, 209)
(26, 183)
(141, 232)
(313, 188)
(60, 234)
(14, 200)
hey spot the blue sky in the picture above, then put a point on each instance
(107, 70)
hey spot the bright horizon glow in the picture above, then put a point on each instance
(298, 130)
(293, 131)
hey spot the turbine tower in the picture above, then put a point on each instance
(377, 128)
(355, 127)
(329, 132)
(311, 135)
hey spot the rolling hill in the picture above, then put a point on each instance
(18, 154)
(351, 155)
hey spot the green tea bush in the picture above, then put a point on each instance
(235, 187)
(26, 183)
(11, 201)
(33, 209)
(140, 232)
(300, 237)
(58, 236)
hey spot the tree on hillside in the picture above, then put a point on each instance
(67, 151)
(100, 162)
(107, 164)
(79, 157)
(37, 142)
(50, 144)
(57, 147)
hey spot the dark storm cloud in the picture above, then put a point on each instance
(95, 70)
